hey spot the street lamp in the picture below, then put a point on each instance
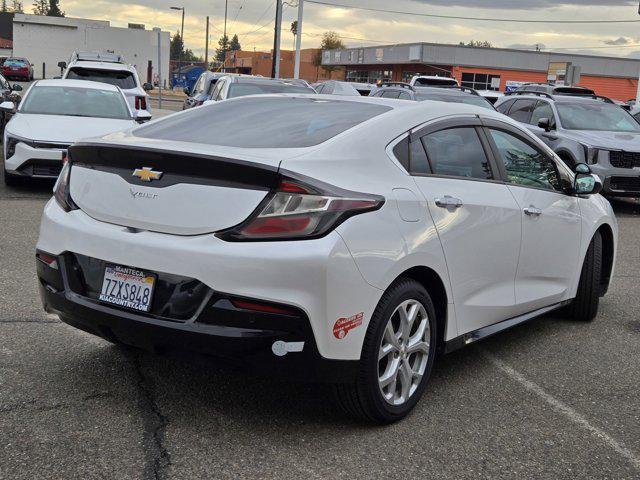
(181, 38)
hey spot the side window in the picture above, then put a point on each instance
(401, 152)
(525, 165)
(404, 96)
(216, 90)
(220, 88)
(457, 152)
(637, 117)
(541, 110)
(521, 110)
(378, 94)
(504, 106)
(390, 94)
(418, 162)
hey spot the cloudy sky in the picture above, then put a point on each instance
(252, 20)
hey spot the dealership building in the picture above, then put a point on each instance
(485, 68)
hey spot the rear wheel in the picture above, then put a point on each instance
(397, 356)
(584, 306)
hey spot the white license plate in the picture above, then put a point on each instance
(127, 287)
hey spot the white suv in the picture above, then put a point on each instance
(111, 69)
(337, 238)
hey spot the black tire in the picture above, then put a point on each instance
(585, 306)
(363, 399)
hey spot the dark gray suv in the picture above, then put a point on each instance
(450, 94)
(584, 129)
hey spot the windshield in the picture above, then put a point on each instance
(468, 99)
(436, 81)
(263, 122)
(74, 101)
(257, 88)
(13, 62)
(596, 116)
(119, 78)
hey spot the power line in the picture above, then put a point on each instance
(478, 19)
(269, 6)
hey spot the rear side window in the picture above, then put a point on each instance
(504, 106)
(521, 110)
(401, 152)
(264, 122)
(390, 94)
(119, 78)
(457, 152)
(243, 89)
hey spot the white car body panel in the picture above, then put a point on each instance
(474, 250)
(56, 129)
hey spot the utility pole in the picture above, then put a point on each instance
(181, 38)
(275, 62)
(159, 68)
(224, 38)
(206, 47)
(638, 90)
(296, 68)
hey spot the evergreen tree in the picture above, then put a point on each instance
(234, 45)
(176, 47)
(4, 8)
(17, 6)
(54, 9)
(223, 48)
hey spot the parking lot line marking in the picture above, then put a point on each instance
(564, 409)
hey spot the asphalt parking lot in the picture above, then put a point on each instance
(550, 399)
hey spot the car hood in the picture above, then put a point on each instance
(628, 141)
(63, 129)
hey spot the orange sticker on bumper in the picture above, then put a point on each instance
(344, 325)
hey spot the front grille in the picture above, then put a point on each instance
(625, 184)
(46, 170)
(621, 159)
(61, 146)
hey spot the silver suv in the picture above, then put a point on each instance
(583, 129)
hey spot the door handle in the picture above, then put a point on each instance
(448, 202)
(532, 211)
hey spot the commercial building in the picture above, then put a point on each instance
(259, 63)
(45, 41)
(484, 68)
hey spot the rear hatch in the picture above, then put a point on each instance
(167, 191)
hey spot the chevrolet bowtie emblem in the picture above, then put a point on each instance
(146, 174)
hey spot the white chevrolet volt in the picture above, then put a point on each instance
(343, 239)
(54, 114)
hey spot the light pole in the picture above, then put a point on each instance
(181, 38)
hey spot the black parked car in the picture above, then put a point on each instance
(8, 93)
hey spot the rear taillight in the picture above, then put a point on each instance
(61, 189)
(297, 210)
(141, 103)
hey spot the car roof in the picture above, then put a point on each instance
(102, 65)
(76, 84)
(252, 79)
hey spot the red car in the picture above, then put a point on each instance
(18, 68)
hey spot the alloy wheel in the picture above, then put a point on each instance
(403, 354)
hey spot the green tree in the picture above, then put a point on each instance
(41, 7)
(330, 41)
(4, 7)
(17, 6)
(294, 28)
(223, 48)
(176, 47)
(234, 45)
(54, 9)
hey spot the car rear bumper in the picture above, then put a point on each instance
(317, 277)
(247, 344)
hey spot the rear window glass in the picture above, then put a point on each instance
(119, 78)
(288, 122)
(243, 89)
(14, 62)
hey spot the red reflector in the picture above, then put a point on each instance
(270, 225)
(290, 187)
(261, 307)
(48, 259)
(65, 157)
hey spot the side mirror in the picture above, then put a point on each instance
(16, 88)
(147, 86)
(186, 91)
(62, 65)
(545, 124)
(586, 183)
(142, 116)
(7, 107)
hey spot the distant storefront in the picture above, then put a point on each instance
(485, 68)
